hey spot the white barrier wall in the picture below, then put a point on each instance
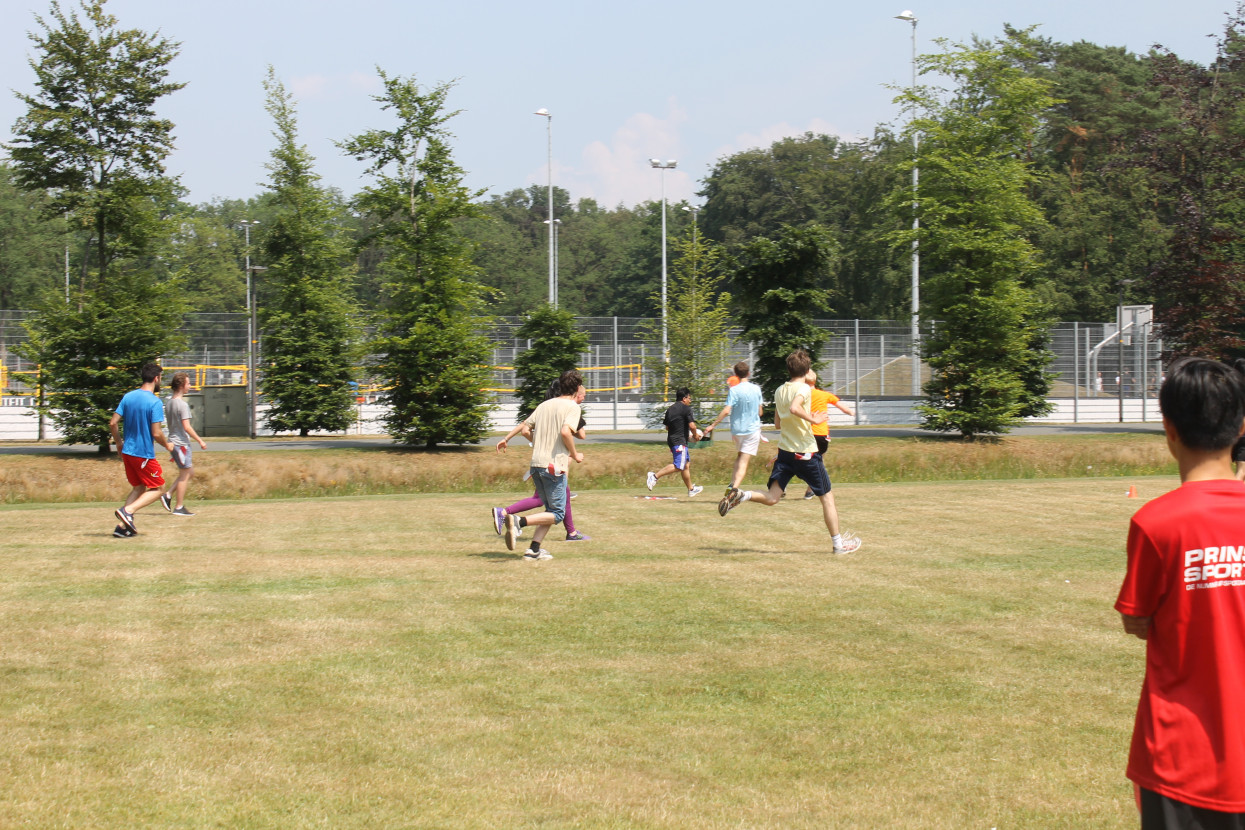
(20, 423)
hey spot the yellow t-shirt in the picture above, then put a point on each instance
(796, 434)
(821, 403)
(547, 421)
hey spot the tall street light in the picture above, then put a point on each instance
(663, 166)
(695, 211)
(553, 272)
(916, 226)
(250, 329)
(556, 224)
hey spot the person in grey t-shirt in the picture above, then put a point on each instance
(181, 432)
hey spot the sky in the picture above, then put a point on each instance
(685, 80)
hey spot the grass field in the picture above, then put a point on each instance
(383, 662)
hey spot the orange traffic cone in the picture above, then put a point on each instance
(1132, 491)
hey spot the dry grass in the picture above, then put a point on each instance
(383, 662)
(274, 473)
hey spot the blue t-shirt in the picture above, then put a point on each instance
(139, 409)
(744, 399)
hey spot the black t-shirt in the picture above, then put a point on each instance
(677, 419)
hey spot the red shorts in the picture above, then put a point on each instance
(143, 472)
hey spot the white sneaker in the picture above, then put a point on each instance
(695, 491)
(535, 556)
(851, 544)
(651, 481)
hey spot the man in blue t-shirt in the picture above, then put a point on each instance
(744, 405)
(143, 413)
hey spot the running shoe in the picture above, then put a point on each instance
(182, 511)
(651, 481)
(167, 502)
(808, 494)
(126, 518)
(512, 531)
(123, 532)
(577, 537)
(499, 520)
(537, 555)
(695, 491)
(851, 544)
(730, 501)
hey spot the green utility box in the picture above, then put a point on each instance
(219, 412)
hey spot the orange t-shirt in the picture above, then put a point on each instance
(821, 403)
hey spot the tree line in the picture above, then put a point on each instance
(1056, 181)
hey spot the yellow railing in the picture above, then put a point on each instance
(203, 374)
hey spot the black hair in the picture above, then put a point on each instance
(681, 393)
(151, 371)
(1204, 401)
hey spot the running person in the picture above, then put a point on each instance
(681, 429)
(821, 403)
(744, 405)
(552, 422)
(142, 413)
(532, 502)
(797, 454)
(181, 431)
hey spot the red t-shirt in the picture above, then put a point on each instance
(1186, 569)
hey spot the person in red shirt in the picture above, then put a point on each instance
(1184, 594)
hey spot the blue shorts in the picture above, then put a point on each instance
(182, 457)
(552, 492)
(811, 471)
(681, 457)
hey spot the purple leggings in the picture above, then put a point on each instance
(535, 502)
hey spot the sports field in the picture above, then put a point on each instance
(383, 661)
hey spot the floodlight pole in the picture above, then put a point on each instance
(553, 266)
(663, 166)
(916, 226)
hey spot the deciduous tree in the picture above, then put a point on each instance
(988, 349)
(91, 140)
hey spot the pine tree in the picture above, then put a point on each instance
(434, 354)
(307, 317)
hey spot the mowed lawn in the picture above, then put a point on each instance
(384, 662)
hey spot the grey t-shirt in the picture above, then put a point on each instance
(175, 411)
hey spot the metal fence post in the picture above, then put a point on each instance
(856, 368)
(1076, 375)
(616, 362)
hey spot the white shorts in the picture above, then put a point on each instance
(748, 443)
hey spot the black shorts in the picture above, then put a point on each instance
(1158, 812)
(812, 471)
(823, 444)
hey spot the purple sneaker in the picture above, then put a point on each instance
(499, 520)
(577, 537)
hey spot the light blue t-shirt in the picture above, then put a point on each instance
(139, 409)
(744, 399)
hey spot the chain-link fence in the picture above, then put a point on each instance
(863, 359)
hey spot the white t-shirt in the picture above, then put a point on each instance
(546, 422)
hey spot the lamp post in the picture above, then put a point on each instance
(553, 267)
(916, 226)
(250, 329)
(556, 224)
(663, 166)
(695, 211)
